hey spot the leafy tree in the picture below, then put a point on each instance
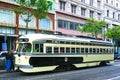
(113, 33)
(29, 8)
(93, 26)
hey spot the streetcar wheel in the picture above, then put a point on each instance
(103, 63)
(64, 68)
(59, 69)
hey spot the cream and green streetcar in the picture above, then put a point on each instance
(43, 52)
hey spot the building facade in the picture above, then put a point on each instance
(65, 16)
(12, 25)
(112, 17)
(69, 14)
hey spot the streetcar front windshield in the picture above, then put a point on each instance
(24, 47)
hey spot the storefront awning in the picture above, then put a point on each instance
(11, 35)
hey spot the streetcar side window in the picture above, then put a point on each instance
(41, 48)
(100, 50)
(36, 48)
(103, 50)
(91, 50)
(94, 50)
(78, 50)
(61, 50)
(86, 50)
(82, 50)
(67, 50)
(72, 50)
(56, 49)
(97, 50)
(48, 49)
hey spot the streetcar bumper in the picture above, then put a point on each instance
(25, 66)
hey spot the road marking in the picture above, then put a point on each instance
(117, 65)
(118, 77)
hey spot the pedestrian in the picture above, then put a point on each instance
(8, 61)
(12, 59)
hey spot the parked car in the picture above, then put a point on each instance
(118, 58)
(2, 53)
(2, 59)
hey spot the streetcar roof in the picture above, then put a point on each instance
(34, 37)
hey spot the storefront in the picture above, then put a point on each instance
(7, 41)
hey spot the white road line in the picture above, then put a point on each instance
(117, 77)
(117, 65)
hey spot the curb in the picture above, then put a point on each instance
(1, 71)
(117, 60)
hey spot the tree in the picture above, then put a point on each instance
(93, 26)
(29, 8)
(113, 33)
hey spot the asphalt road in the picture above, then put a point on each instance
(109, 72)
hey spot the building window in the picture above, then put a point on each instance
(83, 11)
(81, 24)
(107, 13)
(91, 2)
(98, 16)
(112, 2)
(7, 30)
(98, 3)
(7, 16)
(72, 26)
(66, 24)
(91, 14)
(44, 23)
(76, 26)
(73, 8)
(50, 8)
(62, 5)
(83, 1)
(22, 19)
(118, 17)
(116, 4)
(60, 23)
(106, 1)
(113, 15)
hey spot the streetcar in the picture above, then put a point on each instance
(48, 52)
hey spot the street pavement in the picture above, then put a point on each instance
(3, 69)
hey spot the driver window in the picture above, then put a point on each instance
(26, 47)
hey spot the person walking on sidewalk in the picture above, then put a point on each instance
(12, 59)
(8, 61)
